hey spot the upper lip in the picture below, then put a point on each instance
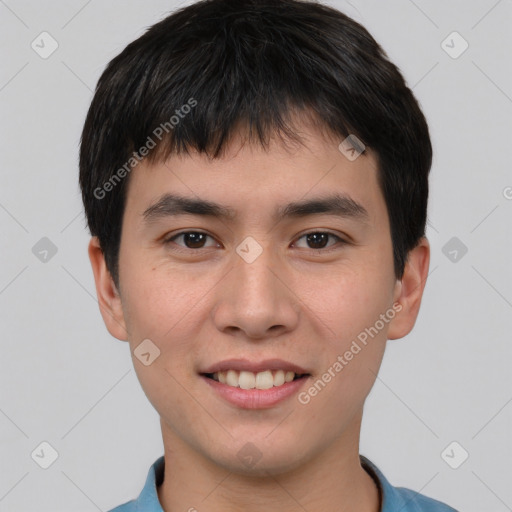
(254, 366)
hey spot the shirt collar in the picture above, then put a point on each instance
(389, 495)
(148, 498)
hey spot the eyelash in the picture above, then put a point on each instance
(170, 240)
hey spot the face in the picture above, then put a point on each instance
(313, 288)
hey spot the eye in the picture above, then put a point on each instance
(318, 239)
(191, 239)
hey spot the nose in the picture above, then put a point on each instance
(256, 300)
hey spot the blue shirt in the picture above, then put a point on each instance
(394, 499)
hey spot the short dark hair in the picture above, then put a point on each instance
(251, 64)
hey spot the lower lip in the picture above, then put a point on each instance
(256, 398)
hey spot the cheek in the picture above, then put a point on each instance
(163, 305)
(350, 308)
(349, 300)
(159, 302)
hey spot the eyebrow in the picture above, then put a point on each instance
(341, 205)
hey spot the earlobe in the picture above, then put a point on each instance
(409, 290)
(109, 299)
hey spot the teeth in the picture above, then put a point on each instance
(264, 380)
(279, 378)
(246, 380)
(232, 378)
(288, 376)
(250, 380)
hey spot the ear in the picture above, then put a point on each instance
(109, 299)
(409, 290)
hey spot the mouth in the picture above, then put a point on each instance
(262, 380)
(253, 384)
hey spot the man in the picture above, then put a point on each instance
(255, 178)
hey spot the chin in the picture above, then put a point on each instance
(260, 458)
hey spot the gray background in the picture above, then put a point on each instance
(66, 381)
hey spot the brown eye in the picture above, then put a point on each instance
(191, 239)
(318, 239)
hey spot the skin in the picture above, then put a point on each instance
(294, 302)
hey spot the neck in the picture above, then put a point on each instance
(332, 479)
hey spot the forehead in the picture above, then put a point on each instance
(248, 179)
